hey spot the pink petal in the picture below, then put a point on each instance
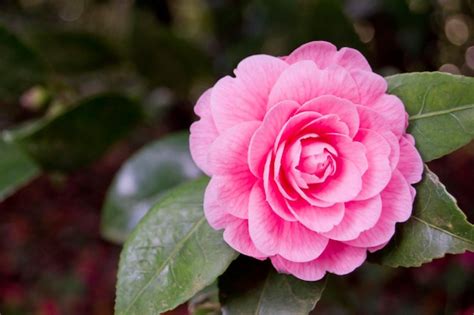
(342, 186)
(264, 138)
(272, 235)
(410, 164)
(317, 219)
(237, 236)
(370, 119)
(352, 59)
(338, 258)
(294, 126)
(233, 192)
(379, 172)
(396, 207)
(244, 98)
(279, 176)
(376, 248)
(349, 150)
(329, 104)
(358, 217)
(392, 109)
(322, 125)
(203, 132)
(320, 52)
(304, 81)
(306, 124)
(273, 192)
(287, 186)
(371, 86)
(229, 152)
(215, 214)
(309, 196)
(397, 198)
(277, 202)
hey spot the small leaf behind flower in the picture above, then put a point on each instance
(437, 227)
(16, 169)
(253, 287)
(78, 135)
(441, 109)
(171, 255)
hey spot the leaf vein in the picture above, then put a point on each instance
(444, 231)
(179, 245)
(441, 112)
(260, 298)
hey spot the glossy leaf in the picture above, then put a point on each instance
(437, 227)
(79, 135)
(441, 109)
(141, 182)
(253, 287)
(171, 255)
(20, 67)
(73, 52)
(16, 169)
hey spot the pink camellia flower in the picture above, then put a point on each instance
(309, 160)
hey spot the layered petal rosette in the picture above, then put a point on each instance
(309, 160)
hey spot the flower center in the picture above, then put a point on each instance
(320, 165)
(315, 163)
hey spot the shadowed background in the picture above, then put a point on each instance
(163, 54)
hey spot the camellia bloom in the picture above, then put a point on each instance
(309, 159)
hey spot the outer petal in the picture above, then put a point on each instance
(316, 218)
(215, 214)
(237, 236)
(358, 217)
(397, 204)
(304, 81)
(264, 138)
(203, 132)
(338, 258)
(328, 104)
(233, 192)
(392, 109)
(320, 52)
(410, 164)
(272, 235)
(379, 172)
(372, 120)
(371, 85)
(228, 154)
(244, 98)
(352, 59)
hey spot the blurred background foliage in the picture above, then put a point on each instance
(84, 84)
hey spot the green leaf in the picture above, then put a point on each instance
(16, 169)
(253, 287)
(171, 255)
(436, 227)
(79, 135)
(20, 67)
(141, 182)
(441, 109)
(206, 301)
(71, 52)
